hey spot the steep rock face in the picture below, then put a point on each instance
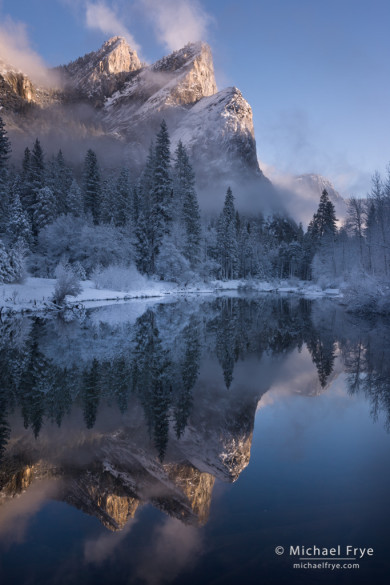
(124, 102)
(100, 73)
(16, 89)
(216, 127)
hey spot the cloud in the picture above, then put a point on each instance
(101, 17)
(174, 547)
(15, 50)
(97, 551)
(16, 513)
(177, 22)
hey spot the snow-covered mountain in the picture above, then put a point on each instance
(109, 95)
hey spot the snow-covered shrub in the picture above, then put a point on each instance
(79, 271)
(171, 265)
(119, 278)
(70, 238)
(67, 284)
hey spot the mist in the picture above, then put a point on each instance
(16, 51)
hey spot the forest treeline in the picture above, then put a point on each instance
(53, 214)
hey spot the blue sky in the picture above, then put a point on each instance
(316, 73)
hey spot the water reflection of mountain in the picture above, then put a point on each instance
(154, 408)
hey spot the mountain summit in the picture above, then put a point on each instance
(109, 97)
(101, 72)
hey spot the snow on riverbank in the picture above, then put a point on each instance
(35, 293)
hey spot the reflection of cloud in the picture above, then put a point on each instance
(175, 547)
(296, 375)
(99, 550)
(16, 514)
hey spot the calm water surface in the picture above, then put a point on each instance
(183, 442)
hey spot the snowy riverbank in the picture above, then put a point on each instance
(35, 293)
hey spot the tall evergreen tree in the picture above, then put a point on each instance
(227, 238)
(160, 210)
(146, 251)
(324, 221)
(186, 203)
(92, 185)
(74, 200)
(5, 151)
(18, 225)
(59, 180)
(123, 199)
(45, 210)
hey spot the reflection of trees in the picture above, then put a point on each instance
(189, 374)
(157, 361)
(90, 393)
(5, 430)
(153, 381)
(367, 363)
(322, 354)
(227, 337)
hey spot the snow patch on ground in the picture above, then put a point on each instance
(35, 293)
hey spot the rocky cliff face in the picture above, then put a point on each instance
(99, 74)
(126, 103)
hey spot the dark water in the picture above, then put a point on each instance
(183, 442)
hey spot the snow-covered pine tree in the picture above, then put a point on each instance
(161, 194)
(227, 238)
(324, 220)
(186, 204)
(59, 180)
(74, 200)
(26, 194)
(37, 167)
(45, 209)
(146, 244)
(18, 226)
(5, 151)
(123, 198)
(92, 185)
(108, 201)
(5, 266)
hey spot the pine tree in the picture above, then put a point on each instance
(37, 167)
(186, 203)
(18, 226)
(146, 244)
(59, 180)
(6, 274)
(108, 201)
(123, 199)
(26, 194)
(45, 209)
(5, 151)
(92, 185)
(74, 200)
(160, 216)
(324, 221)
(227, 238)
